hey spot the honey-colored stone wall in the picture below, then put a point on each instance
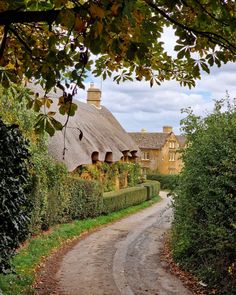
(160, 159)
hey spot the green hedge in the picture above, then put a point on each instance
(113, 201)
(86, 198)
(168, 181)
(14, 205)
(153, 188)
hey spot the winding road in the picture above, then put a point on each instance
(122, 258)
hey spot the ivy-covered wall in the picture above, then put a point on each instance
(113, 176)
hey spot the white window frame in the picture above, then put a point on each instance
(171, 156)
(145, 155)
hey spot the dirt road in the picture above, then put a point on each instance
(122, 258)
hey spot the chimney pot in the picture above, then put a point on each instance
(94, 96)
(167, 129)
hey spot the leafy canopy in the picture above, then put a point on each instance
(51, 41)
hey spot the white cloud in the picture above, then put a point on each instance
(137, 106)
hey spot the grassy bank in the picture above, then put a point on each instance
(27, 260)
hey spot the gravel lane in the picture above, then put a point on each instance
(122, 258)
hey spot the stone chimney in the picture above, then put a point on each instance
(94, 96)
(167, 129)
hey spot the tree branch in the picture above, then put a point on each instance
(12, 16)
(215, 38)
(21, 40)
(4, 40)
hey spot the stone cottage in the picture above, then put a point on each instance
(160, 151)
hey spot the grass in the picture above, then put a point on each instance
(29, 258)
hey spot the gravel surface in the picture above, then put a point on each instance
(122, 258)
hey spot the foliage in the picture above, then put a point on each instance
(54, 40)
(124, 198)
(14, 205)
(46, 194)
(168, 181)
(108, 174)
(41, 247)
(204, 227)
(49, 194)
(153, 188)
(86, 198)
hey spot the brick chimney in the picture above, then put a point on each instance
(167, 129)
(94, 96)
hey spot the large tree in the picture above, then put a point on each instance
(54, 40)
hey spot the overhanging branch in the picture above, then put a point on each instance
(3, 42)
(13, 16)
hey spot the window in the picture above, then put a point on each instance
(171, 156)
(171, 144)
(145, 156)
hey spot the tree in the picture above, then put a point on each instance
(204, 226)
(57, 40)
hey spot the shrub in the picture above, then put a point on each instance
(204, 227)
(14, 205)
(49, 197)
(124, 198)
(153, 188)
(86, 198)
(169, 181)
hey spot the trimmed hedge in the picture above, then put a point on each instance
(169, 181)
(113, 201)
(86, 198)
(153, 188)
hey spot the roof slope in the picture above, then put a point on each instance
(102, 133)
(149, 140)
(181, 139)
(154, 140)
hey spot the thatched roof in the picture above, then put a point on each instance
(154, 140)
(102, 133)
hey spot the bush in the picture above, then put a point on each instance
(49, 197)
(204, 227)
(169, 181)
(86, 198)
(127, 174)
(124, 198)
(153, 188)
(14, 205)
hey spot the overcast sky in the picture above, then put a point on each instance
(137, 106)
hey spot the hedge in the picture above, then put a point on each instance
(86, 198)
(168, 181)
(14, 205)
(124, 198)
(153, 188)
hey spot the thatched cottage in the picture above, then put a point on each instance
(103, 139)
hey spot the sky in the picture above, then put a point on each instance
(136, 105)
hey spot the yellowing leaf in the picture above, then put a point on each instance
(114, 8)
(79, 24)
(96, 11)
(99, 29)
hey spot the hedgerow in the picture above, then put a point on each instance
(14, 204)
(204, 227)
